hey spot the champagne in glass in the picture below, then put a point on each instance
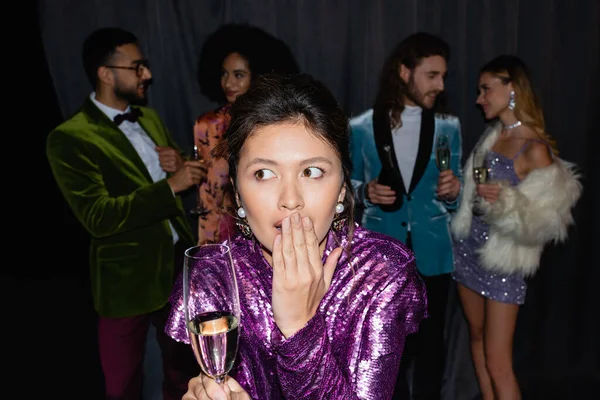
(214, 337)
(212, 308)
(442, 153)
(480, 175)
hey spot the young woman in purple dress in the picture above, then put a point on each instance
(525, 203)
(325, 304)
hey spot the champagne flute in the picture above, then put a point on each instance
(442, 153)
(480, 175)
(198, 209)
(211, 307)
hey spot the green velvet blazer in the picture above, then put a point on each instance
(111, 193)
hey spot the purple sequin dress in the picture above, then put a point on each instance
(351, 349)
(468, 271)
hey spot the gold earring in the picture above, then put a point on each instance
(242, 223)
(244, 228)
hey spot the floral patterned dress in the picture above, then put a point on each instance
(216, 224)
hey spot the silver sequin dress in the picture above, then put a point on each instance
(468, 270)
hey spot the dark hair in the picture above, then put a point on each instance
(274, 99)
(410, 52)
(528, 109)
(263, 52)
(100, 46)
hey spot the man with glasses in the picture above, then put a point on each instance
(115, 162)
(140, 66)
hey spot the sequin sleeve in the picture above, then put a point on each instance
(367, 366)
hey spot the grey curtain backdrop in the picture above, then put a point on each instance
(343, 43)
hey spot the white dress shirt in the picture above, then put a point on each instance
(141, 142)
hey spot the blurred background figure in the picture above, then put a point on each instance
(517, 199)
(231, 59)
(105, 164)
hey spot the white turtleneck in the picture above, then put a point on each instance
(406, 142)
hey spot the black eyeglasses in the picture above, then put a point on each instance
(139, 69)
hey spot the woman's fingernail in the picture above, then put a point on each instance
(296, 218)
(306, 222)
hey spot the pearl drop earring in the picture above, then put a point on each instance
(241, 212)
(339, 208)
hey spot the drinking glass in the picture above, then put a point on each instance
(212, 307)
(442, 153)
(480, 175)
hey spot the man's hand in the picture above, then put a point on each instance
(169, 158)
(448, 186)
(380, 194)
(188, 175)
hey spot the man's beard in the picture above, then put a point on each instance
(413, 94)
(131, 96)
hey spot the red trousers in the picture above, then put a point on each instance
(122, 343)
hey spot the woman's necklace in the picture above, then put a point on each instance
(512, 126)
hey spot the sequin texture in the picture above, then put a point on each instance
(468, 271)
(351, 349)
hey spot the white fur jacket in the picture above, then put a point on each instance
(524, 217)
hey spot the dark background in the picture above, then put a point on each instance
(343, 43)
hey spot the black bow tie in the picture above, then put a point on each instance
(131, 116)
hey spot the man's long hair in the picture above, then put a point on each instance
(410, 52)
